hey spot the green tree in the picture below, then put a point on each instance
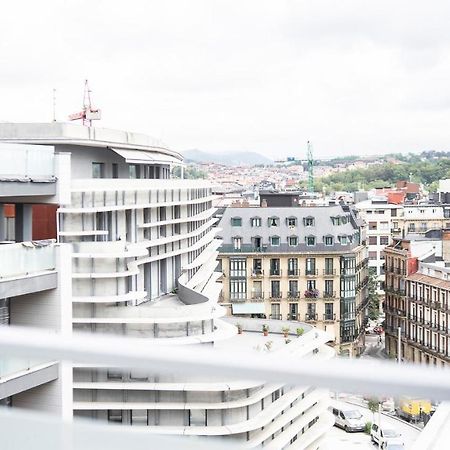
(373, 297)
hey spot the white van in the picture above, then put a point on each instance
(348, 418)
(384, 436)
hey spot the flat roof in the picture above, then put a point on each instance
(54, 133)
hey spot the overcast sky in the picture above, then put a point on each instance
(352, 76)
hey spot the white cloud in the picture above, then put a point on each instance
(353, 76)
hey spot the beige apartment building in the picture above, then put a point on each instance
(418, 297)
(304, 264)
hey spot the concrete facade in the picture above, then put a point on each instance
(143, 264)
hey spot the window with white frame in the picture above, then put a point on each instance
(308, 221)
(255, 221)
(238, 289)
(328, 240)
(291, 222)
(292, 241)
(275, 241)
(310, 240)
(236, 221)
(237, 242)
(274, 221)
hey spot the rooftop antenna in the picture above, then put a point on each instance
(88, 113)
(54, 105)
(310, 169)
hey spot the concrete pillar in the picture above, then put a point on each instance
(24, 223)
(2, 224)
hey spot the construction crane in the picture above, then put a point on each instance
(310, 169)
(88, 113)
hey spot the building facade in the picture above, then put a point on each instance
(297, 263)
(409, 295)
(141, 263)
(382, 222)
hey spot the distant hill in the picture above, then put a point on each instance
(228, 159)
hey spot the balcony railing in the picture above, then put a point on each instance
(311, 272)
(276, 295)
(25, 259)
(311, 317)
(257, 273)
(22, 162)
(257, 296)
(275, 272)
(275, 316)
(293, 294)
(293, 317)
(329, 294)
(329, 317)
(238, 298)
(311, 293)
(293, 273)
(329, 272)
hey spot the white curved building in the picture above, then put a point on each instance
(143, 265)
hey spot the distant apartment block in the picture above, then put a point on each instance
(299, 264)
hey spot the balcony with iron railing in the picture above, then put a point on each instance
(311, 272)
(311, 294)
(311, 317)
(257, 273)
(257, 297)
(276, 296)
(275, 272)
(329, 272)
(329, 294)
(275, 316)
(294, 295)
(238, 298)
(329, 317)
(293, 272)
(292, 316)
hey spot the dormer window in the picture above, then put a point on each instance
(255, 221)
(336, 220)
(308, 221)
(310, 240)
(343, 240)
(274, 221)
(292, 241)
(237, 242)
(275, 241)
(236, 222)
(328, 240)
(291, 222)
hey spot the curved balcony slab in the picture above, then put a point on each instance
(130, 296)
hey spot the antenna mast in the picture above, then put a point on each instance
(88, 113)
(310, 169)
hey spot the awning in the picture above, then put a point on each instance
(145, 157)
(248, 308)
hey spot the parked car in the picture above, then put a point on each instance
(384, 436)
(394, 446)
(347, 418)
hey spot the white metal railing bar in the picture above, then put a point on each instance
(363, 376)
